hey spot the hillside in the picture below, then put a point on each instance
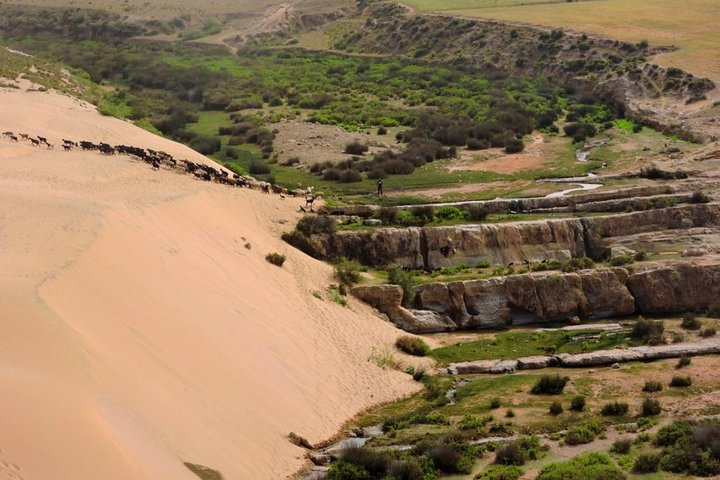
(143, 327)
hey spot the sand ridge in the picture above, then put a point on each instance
(139, 331)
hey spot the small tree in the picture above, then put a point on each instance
(556, 408)
(577, 404)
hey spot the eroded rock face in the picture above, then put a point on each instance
(545, 297)
(676, 288)
(500, 244)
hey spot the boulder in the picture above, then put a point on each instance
(372, 222)
(536, 362)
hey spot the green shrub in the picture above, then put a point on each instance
(549, 385)
(500, 472)
(510, 454)
(445, 458)
(451, 213)
(650, 407)
(708, 332)
(387, 215)
(650, 332)
(347, 471)
(510, 413)
(678, 381)
(586, 466)
(476, 213)
(275, 259)
(373, 462)
(647, 463)
(405, 470)
(615, 409)
(577, 404)
(347, 272)
(258, 168)
(621, 446)
(418, 374)
(652, 386)
(495, 403)
(398, 276)
(683, 361)
(699, 197)
(556, 408)
(579, 435)
(412, 345)
(690, 322)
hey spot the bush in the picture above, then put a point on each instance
(387, 215)
(412, 345)
(621, 446)
(510, 413)
(577, 404)
(514, 145)
(398, 276)
(646, 463)
(347, 471)
(699, 197)
(586, 466)
(314, 224)
(382, 131)
(649, 331)
(258, 168)
(683, 362)
(373, 462)
(652, 386)
(445, 458)
(356, 148)
(477, 144)
(579, 435)
(615, 409)
(495, 403)
(500, 472)
(678, 381)
(510, 454)
(708, 332)
(549, 385)
(690, 447)
(690, 322)
(650, 407)
(451, 213)
(621, 260)
(418, 373)
(476, 213)
(405, 470)
(205, 144)
(556, 408)
(347, 272)
(275, 259)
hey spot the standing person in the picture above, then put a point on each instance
(379, 185)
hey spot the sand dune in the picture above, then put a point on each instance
(140, 332)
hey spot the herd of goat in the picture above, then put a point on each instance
(158, 159)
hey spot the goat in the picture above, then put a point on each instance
(34, 143)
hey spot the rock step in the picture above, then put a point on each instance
(599, 357)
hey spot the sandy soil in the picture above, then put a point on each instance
(535, 154)
(139, 330)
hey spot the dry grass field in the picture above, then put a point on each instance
(691, 25)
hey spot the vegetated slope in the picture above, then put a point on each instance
(607, 70)
(142, 325)
(691, 26)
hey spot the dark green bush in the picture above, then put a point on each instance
(412, 345)
(621, 446)
(495, 403)
(649, 331)
(708, 332)
(652, 386)
(405, 470)
(549, 385)
(556, 408)
(615, 409)
(621, 260)
(388, 215)
(347, 471)
(647, 463)
(678, 381)
(356, 148)
(398, 276)
(579, 435)
(577, 404)
(315, 224)
(373, 462)
(510, 454)
(699, 197)
(690, 322)
(275, 259)
(476, 213)
(650, 407)
(445, 458)
(258, 168)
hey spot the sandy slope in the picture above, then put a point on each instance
(138, 330)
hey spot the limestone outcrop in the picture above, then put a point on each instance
(547, 297)
(590, 359)
(430, 248)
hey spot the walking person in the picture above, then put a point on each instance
(379, 187)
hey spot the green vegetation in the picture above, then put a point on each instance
(690, 447)
(587, 466)
(412, 345)
(680, 381)
(690, 322)
(521, 343)
(275, 258)
(500, 472)
(615, 409)
(348, 272)
(549, 385)
(649, 331)
(652, 386)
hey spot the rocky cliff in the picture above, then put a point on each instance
(434, 247)
(545, 297)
